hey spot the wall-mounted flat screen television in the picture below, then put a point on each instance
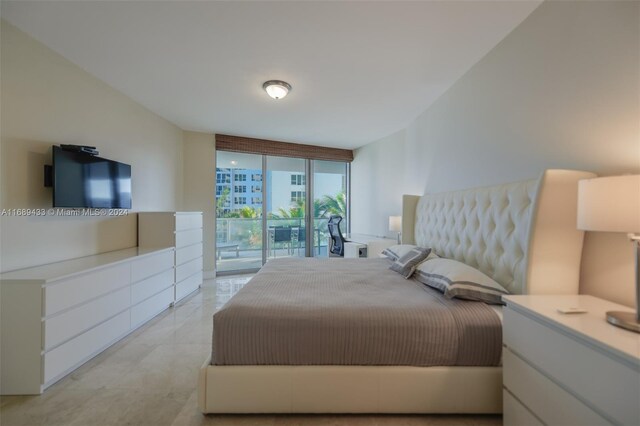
(88, 181)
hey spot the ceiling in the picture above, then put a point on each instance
(359, 70)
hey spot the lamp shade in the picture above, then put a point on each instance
(610, 204)
(395, 223)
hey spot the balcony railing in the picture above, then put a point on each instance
(239, 241)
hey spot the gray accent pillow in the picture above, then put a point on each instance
(456, 279)
(395, 252)
(407, 264)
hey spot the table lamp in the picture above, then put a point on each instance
(395, 225)
(612, 204)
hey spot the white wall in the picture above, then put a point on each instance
(47, 100)
(377, 184)
(561, 91)
(200, 189)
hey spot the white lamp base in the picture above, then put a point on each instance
(627, 320)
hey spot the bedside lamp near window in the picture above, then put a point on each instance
(612, 204)
(395, 225)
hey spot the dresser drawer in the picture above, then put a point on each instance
(152, 285)
(187, 269)
(188, 285)
(188, 253)
(554, 405)
(516, 414)
(70, 323)
(69, 292)
(81, 348)
(188, 237)
(188, 221)
(151, 307)
(576, 365)
(151, 265)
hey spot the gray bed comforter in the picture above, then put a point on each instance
(350, 312)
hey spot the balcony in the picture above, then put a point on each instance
(239, 241)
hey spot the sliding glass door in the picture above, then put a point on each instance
(286, 195)
(239, 207)
(272, 207)
(330, 195)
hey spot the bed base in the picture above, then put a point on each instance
(349, 389)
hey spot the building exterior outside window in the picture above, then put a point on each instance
(297, 179)
(291, 188)
(297, 196)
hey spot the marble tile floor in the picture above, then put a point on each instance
(149, 378)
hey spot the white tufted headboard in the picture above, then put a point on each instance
(521, 234)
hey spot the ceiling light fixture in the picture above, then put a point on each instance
(277, 89)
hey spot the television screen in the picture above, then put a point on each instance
(83, 180)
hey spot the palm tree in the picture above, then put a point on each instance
(247, 212)
(334, 205)
(297, 210)
(221, 201)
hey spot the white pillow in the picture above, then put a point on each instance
(432, 255)
(455, 279)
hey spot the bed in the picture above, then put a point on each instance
(342, 346)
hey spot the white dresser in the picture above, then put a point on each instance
(55, 317)
(182, 230)
(568, 369)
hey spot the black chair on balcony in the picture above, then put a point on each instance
(281, 235)
(337, 240)
(301, 238)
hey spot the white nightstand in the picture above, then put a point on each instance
(360, 245)
(355, 250)
(568, 369)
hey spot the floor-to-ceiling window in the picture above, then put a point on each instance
(239, 209)
(272, 206)
(330, 197)
(286, 190)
